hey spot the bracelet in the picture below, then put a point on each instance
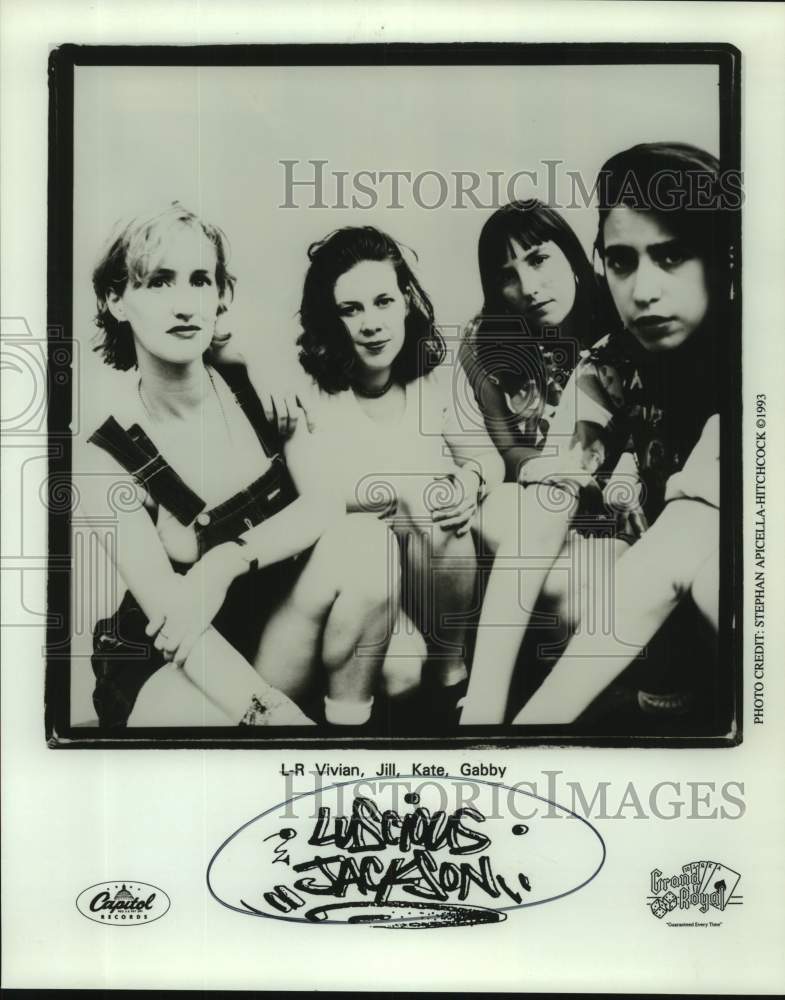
(253, 564)
(254, 714)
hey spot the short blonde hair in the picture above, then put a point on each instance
(129, 255)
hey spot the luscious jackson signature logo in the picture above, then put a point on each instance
(399, 858)
(125, 903)
(703, 884)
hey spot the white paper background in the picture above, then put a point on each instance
(72, 819)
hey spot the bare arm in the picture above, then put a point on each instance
(284, 389)
(487, 418)
(212, 664)
(479, 468)
(291, 531)
(303, 522)
(139, 556)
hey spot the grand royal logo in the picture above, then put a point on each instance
(122, 902)
(702, 884)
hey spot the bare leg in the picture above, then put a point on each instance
(340, 613)
(527, 528)
(402, 669)
(440, 570)
(169, 698)
(216, 687)
(578, 589)
(650, 580)
(706, 590)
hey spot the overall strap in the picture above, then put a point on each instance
(236, 377)
(137, 454)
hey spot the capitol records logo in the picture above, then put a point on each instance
(707, 885)
(123, 903)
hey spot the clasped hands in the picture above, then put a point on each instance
(454, 505)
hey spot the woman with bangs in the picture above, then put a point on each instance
(387, 418)
(667, 263)
(541, 311)
(232, 555)
(644, 400)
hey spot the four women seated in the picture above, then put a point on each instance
(267, 573)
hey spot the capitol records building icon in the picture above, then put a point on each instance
(123, 903)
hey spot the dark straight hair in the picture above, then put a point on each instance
(532, 223)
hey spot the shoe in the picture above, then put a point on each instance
(671, 704)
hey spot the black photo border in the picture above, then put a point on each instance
(62, 62)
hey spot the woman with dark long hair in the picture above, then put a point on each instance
(539, 310)
(638, 402)
(667, 265)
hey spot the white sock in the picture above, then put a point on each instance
(347, 713)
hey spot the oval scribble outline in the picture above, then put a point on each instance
(403, 777)
(120, 923)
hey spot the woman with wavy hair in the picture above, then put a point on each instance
(388, 421)
(232, 555)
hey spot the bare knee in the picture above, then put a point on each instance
(357, 559)
(364, 557)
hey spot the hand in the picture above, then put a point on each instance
(459, 510)
(292, 395)
(194, 602)
(571, 471)
(280, 383)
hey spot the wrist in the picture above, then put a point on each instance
(473, 481)
(228, 561)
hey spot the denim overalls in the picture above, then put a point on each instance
(123, 656)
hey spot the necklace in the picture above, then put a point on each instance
(220, 403)
(374, 393)
(217, 395)
(141, 400)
